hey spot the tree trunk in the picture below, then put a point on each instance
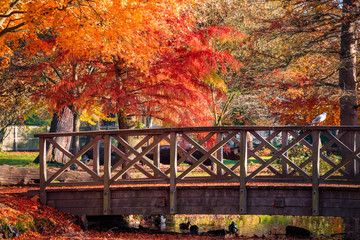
(62, 122)
(126, 122)
(347, 77)
(76, 140)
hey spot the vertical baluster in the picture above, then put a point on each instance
(315, 172)
(107, 174)
(173, 172)
(156, 155)
(356, 145)
(220, 153)
(43, 170)
(284, 142)
(243, 172)
(96, 148)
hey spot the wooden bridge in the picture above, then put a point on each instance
(307, 171)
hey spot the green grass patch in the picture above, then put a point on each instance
(21, 159)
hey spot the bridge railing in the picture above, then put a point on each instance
(230, 154)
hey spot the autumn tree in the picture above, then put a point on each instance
(164, 69)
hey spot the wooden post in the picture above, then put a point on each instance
(220, 153)
(107, 174)
(43, 170)
(96, 148)
(356, 145)
(284, 142)
(243, 172)
(156, 155)
(173, 172)
(315, 173)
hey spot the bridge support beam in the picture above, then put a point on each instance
(173, 172)
(243, 173)
(315, 172)
(107, 175)
(43, 171)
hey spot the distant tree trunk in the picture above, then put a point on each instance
(62, 122)
(347, 71)
(347, 77)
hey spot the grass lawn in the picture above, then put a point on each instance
(21, 159)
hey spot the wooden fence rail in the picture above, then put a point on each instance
(288, 154)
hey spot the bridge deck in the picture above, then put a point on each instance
(315, 157)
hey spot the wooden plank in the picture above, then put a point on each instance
(284, 142)
(287, 202)
(139, 193)
(79, 203)
(213, 201)
(137, 202)
(96, 158)
(173, 172)
(220, 153)
(315, 173)
(340, 194)
(66, 195)
(136, 132)
(341, 203)
(193, 193)
(139, 181)
(339, 212)
(156, 157)
(74, 184)
(266, 193)
(43, 173)
(141, 211)
(107, 175)
(243, 173)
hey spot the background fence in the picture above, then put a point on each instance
(21, 138)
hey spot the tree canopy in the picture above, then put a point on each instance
(167, 59)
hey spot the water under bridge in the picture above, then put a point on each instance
(287, 170)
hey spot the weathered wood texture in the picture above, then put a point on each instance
(311, 155)
(341, 202)
(12, 175)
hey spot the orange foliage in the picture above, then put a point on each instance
(176, 85)
(295, 100)
(32, 220)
